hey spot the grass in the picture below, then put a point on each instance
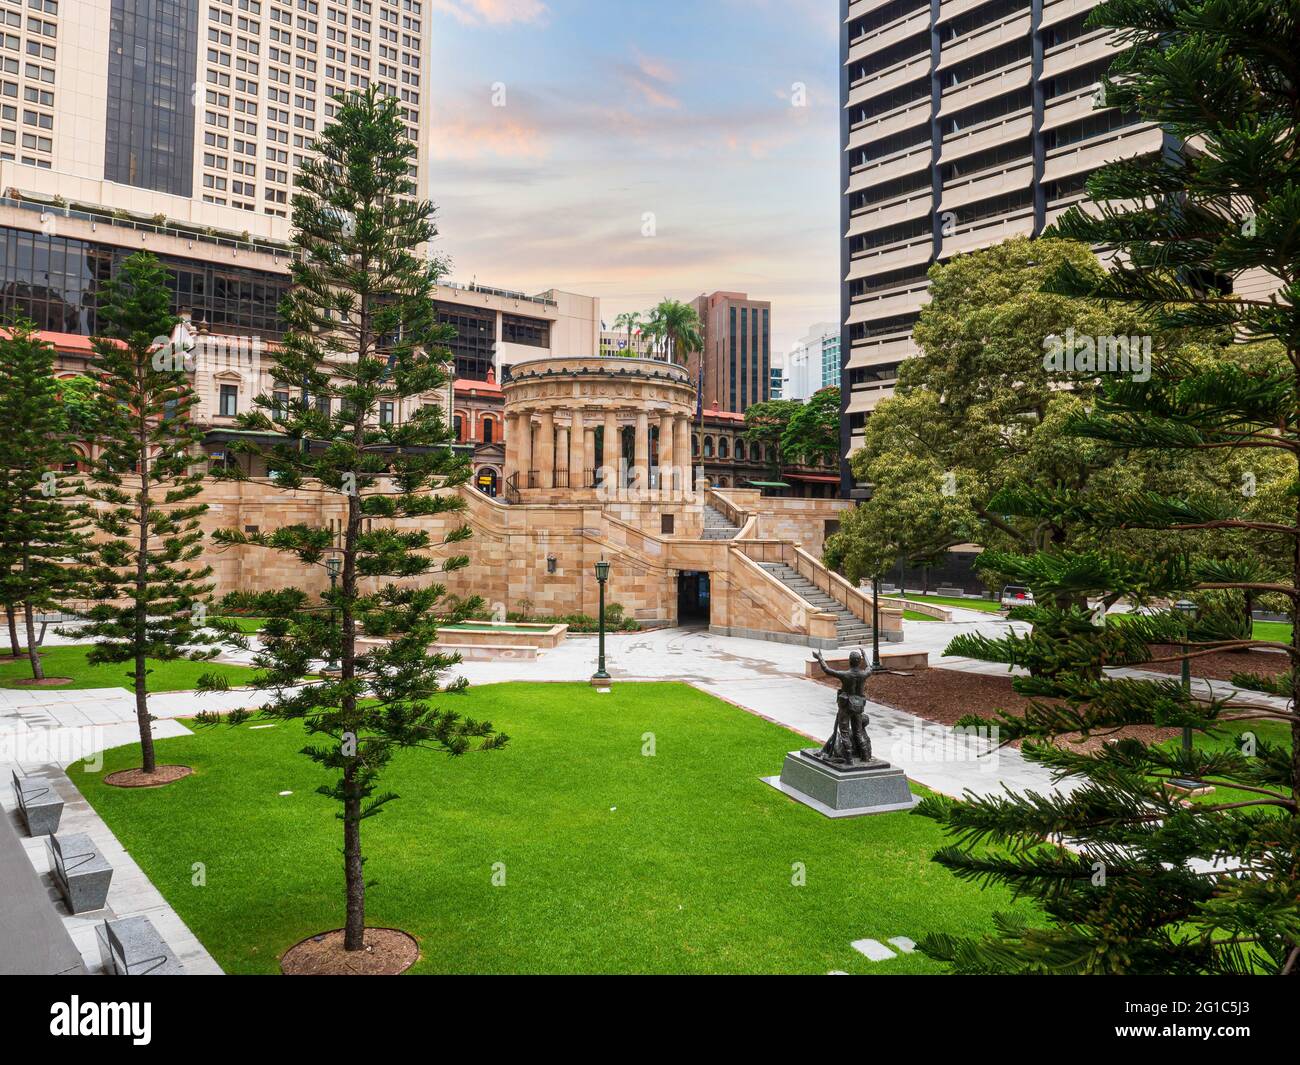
(942, 600)
(912, 615)
(70, 661)
(245, 624)
(614, 861)
(1272, 630)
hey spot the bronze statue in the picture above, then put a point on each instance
(849, 744)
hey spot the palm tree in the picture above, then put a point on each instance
(680, 326)
(628, 320)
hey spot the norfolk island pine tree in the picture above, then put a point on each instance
(1149, 882)
(149, 596)
(362, 331)
(41, 534)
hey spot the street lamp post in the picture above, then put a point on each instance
(332, 566)
(1188, 610)
(602, 575)
(876, 667)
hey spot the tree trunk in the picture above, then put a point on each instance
(12, 616)
(33, 651)
(148, 760)
(354, 932)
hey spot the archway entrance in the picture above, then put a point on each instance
(692, 598)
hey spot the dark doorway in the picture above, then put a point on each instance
(692, 598)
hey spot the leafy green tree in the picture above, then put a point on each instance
(150, 595)
(363, 335)
(1149, 882)
(813, 431)
(40, 533)
(82, 403)
(985, 407)
(766, 423)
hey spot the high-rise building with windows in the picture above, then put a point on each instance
(814, 362)
(963, 123)
(175, 127)
(735, 367)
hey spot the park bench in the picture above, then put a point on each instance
(951, 592)
(80, 871)
(39, 804)
(131, 946)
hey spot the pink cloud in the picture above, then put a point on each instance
(493, 12)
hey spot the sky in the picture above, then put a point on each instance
(638, 150)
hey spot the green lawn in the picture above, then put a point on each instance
(70, 661)
(614, 861)
(943, 600)
(912, 615)
(245, 624)
(1272, 630)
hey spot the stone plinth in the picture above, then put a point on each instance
(873, 788)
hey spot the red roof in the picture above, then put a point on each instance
(824, 478)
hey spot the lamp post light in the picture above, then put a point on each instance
(602, 575)
(332, 566)
(876, 667)
(1188, 610)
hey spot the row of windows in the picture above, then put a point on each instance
(56, 281)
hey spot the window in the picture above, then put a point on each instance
(386, 413)
(229, 401)
(535, 332)
(488, 427)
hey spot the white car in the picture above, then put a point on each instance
(1016, 595)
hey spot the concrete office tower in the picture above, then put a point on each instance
(737, 356)
(963, 123)
(814, 362)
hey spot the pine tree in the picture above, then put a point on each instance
(150, 602)
(1142, 880)
(40, 532)
(363, 341)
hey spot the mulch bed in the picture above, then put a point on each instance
(387, 952)
(1220, 665)
(947, 695)
(138, 778)
(43, 682)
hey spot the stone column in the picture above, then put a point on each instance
(610, 448)
(524, 448)
(589, 450)
(641, 474)
(511, 428)
(682, 450)
(561, 456)
(546, 451)
(577, 450)
(667, 480)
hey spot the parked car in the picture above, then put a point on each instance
(1016, 595)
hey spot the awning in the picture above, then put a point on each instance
(822, 478)
(768, 484)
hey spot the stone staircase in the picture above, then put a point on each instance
(716, 525)
(850, 629)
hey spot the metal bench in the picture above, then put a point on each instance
(80, 870)
(39, 804)
(131, 946)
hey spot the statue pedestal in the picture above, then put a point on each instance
(843, 791)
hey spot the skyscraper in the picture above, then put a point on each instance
(737, 355)
(962, 124)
